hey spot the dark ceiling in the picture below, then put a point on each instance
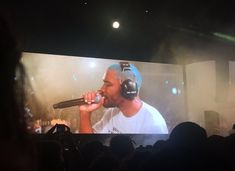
(83, 28)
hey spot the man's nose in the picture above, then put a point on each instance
(101, 90)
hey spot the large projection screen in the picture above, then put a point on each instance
(56, 78)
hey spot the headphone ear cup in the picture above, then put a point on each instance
(129, 89)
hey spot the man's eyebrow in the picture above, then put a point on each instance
(105, 81)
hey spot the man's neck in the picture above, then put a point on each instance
(130, 107)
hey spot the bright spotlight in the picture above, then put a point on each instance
(92, 64)
(116, 24)
(174, 91)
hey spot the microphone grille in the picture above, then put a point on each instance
(98, 98)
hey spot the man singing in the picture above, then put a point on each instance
(126, 112)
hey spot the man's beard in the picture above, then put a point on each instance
(109, 105)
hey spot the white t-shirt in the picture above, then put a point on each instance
(147, 120)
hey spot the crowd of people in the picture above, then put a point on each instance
(187, 148)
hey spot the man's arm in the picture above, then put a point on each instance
(86, 110)
(85, 122)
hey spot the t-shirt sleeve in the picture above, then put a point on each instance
(156, 123)
(160, 124)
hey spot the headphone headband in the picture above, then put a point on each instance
(125, 66)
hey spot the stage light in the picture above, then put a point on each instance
(174, 91)
(116, 24)
(92, 64)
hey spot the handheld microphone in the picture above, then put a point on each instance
(75, 102)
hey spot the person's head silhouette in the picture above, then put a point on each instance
(12, 83)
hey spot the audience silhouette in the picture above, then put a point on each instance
(17, 152)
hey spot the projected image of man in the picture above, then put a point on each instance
(125, 111)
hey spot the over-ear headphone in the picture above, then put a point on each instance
(129, 88)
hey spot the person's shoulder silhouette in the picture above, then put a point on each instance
(121, 146)
(12, 85)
